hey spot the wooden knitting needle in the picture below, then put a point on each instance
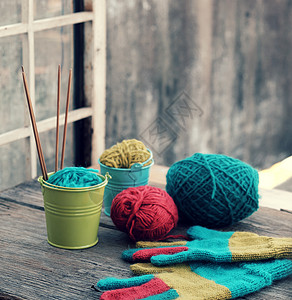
(66, 119)
(35, 131)
(58, 113)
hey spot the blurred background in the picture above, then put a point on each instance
(182, 76)
(213, 76)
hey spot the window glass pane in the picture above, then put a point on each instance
(52, 8)
(13, 166)
(52, 47)
(12, 99)
(48, 141)
(10, 12)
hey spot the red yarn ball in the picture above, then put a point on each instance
(144, 213)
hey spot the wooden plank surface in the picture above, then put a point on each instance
(32, 269)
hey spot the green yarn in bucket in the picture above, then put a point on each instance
(126, 154)
(213, 190)
(76, 177)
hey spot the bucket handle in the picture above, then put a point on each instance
(137, 166)
(41, 180)
(107, 175)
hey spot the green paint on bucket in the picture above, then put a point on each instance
(73, 214)
(122, 179)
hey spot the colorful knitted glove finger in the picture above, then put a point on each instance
(196, 280)
(211, 245)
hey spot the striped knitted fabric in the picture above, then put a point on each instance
(211, 245)
(214, 265)
(198, 280)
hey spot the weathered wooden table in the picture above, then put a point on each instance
(32, 269)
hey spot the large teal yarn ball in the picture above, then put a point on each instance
(213, 190)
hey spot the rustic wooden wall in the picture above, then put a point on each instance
(201, 76)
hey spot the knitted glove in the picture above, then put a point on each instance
(196, 280)
(211, 245)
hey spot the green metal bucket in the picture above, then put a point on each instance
(72, 214)
(122, 179)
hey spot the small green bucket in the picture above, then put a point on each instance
(121, 179)
(73, 214)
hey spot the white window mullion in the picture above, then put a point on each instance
(60, 21)
(31, 70)
(45, 125)
(28, 62)
(99, 79)
(24, 25)
(45, 24)
(13, 29)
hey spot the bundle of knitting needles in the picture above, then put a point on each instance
(34, 126)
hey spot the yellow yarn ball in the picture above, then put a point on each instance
(125, 154)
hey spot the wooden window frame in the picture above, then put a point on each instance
(28, 26)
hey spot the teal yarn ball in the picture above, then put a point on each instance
(76, 177)
(213, 190)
